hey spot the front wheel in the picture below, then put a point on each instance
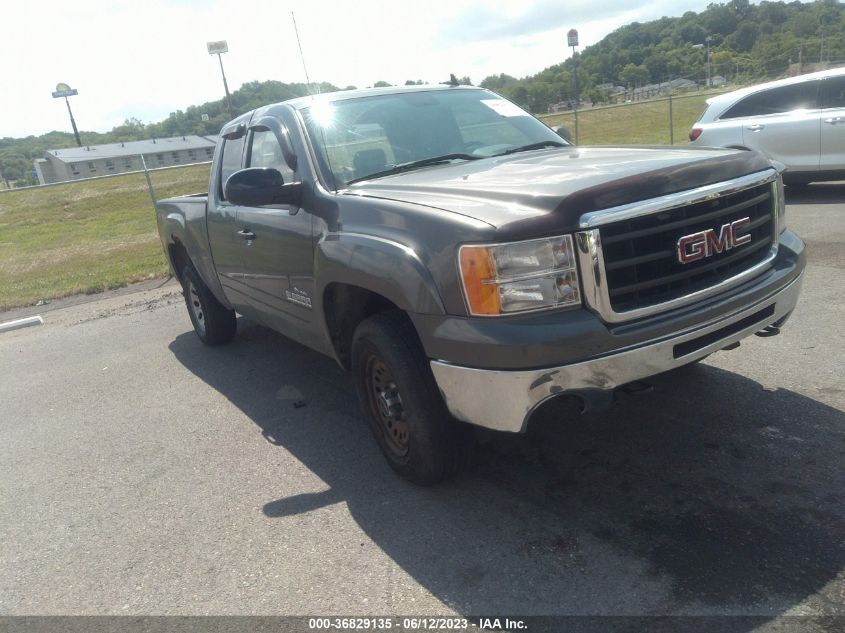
(401, 402)
(213, 322)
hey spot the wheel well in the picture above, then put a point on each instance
(345, 306)
(178, 257)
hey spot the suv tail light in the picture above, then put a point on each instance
(694, 133)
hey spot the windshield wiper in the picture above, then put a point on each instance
(529, 147)
(414, 164)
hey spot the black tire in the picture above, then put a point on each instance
(402, 403)
(214, 323)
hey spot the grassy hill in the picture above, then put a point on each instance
(748, 43)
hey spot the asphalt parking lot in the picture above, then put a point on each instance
(146, 474)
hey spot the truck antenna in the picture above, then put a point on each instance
(301, 55)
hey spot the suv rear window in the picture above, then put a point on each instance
(800, 96)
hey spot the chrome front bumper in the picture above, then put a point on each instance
(504, 400)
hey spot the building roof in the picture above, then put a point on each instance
(131, 148)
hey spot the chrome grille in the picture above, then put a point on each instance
(641, 255)
(629, 260)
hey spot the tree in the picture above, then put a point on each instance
(381, 84)
(519, 95)
(720, 18)
(635, 75)
(656, 65)
(742, 40)
(723, 62)
(498, 82)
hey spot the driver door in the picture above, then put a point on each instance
(277, 250)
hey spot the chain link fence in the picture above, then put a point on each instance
(664, 121)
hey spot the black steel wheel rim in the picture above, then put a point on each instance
(386, 406)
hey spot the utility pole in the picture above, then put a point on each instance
(218, 48)
(63, 90)
(707, 39)
(572, 40)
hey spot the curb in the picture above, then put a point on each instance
(21, 323)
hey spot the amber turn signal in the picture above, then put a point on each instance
(478, 267)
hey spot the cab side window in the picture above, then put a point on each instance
(800, 96)
(265, 151)
(833, 92)
(230, 161)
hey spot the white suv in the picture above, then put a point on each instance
(799, 122)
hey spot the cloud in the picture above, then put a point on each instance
(500, 19)
(485, 21)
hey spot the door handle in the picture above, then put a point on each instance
(834, 120)
(756, 127)
(247, 235)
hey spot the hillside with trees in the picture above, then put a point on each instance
(748, 43)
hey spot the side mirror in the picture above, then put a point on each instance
(260, 186)
(563, 133)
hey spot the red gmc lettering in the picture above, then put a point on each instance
(739, 240)
(723, 243)
(703, 244)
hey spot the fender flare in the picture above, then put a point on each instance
(388, 268)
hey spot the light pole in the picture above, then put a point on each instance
(218, 48)
(63, 90)
(572, 40)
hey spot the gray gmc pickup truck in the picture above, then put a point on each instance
(467, 263)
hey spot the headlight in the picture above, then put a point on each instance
(520, 277)
(780, 200)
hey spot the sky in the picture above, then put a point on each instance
(146, 59)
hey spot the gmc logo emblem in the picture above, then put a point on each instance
(706, 243)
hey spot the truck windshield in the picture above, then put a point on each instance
(384, 134)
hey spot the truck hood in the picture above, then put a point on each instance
(548, 190)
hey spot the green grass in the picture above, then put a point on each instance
(640, 123)
(84, 237)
